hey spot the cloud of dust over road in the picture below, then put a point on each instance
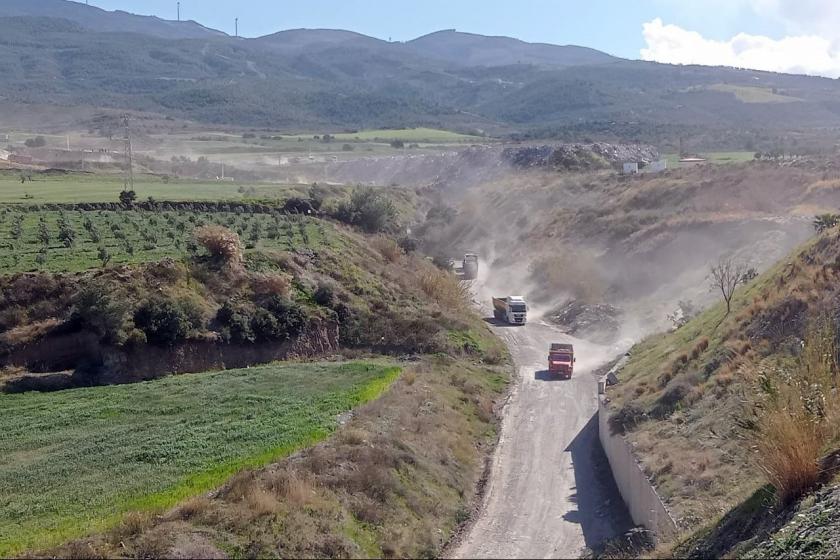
(515, 223)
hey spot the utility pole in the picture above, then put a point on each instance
(236, 27)
(179, 11)
(128, 178)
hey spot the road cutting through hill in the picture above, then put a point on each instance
(550, 491)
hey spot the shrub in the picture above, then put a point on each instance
(221, 244)
(265, 326)
(37, 142)
(298, 206)
(674, 393)
(408, 244)
(388, 248)
(165, 322)
(127, 198)
(105, 315)
(367, 209)
(324, 294)
(236, 324)
(443, 288)
(270, 284)
(290, 317)
(626, 418)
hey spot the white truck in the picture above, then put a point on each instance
(511, 309)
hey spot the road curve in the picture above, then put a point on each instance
(550, 492)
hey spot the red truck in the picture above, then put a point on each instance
(561, 360)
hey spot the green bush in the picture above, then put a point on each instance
(97, 310)
(235, 323)
(166, 322)
(368, 210)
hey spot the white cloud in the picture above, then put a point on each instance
(797, 54)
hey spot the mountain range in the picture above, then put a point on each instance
(59, 52)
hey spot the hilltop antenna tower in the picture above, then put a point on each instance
(128, 177)
(179, 11)
(236, 27)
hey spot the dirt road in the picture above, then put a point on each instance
(550, 493)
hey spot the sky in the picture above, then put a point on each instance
(798, 36)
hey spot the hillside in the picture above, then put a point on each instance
(331, 79)
(469, 49)
(99, 20)
(171, 315)
(717, 412)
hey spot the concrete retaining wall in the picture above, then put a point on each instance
(645, 506)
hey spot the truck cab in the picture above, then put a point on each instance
(511, 309)
(561, 360)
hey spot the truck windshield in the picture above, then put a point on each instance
(517, 307)
(561, 357)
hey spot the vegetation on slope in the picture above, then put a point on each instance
(76, 460)
(727, 404)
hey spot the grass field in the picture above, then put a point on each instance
(424, 135)
(749, 94)
(134, 236)
(78, 187)
(73, 461)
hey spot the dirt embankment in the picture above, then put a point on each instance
(79, 360)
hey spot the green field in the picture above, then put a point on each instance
(424, 135)
(74, 461)
(751, 94)
(135, 236)
(78, 187)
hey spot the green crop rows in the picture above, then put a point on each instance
(72, 240)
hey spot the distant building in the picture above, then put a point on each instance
(630, 168)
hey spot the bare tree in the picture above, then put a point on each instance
(726, 275)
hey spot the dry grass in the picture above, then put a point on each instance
(801, 416)
(443, 288)
(25, 333)
(409, 377)
(222, 244)
(131, 525)
(258, 502)
(293, 487)
(267, 284)
(193, 508)
(387, 247)
(699, 347)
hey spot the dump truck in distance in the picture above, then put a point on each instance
(511, 309)
(469, 267)
(561, 360)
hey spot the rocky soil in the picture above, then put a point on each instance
(814, 532)
(599, 323)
